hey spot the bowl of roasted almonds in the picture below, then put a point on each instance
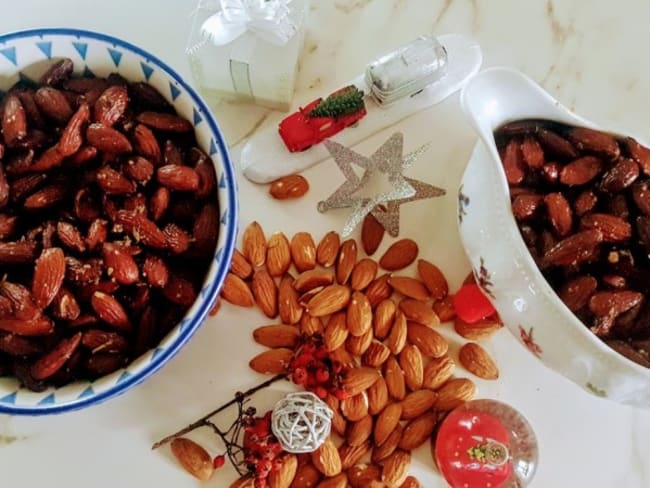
(118, 217)
(554, 215)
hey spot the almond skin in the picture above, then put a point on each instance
(236, 291)
(273, 361)
(480, 330)
(291, 186)
(359, 314)
(49, 272)
(409, 287)
(383, 318)
(379, 453)
(379, 290)
(418, 311)
(346, 261)
(477, 361)
(284, 476)
(336, 331)
(338, 481)
(313, 278)
(359, 432)
(307, 476)
(372, 233)
(364, 272)
(326, 459)
(265, 292)
(332, 299)
(386, 422)
(416, 403)
(288, 307)
(278, 254)
(194, 459)
(396, 468)
(428, 340)
(399, 255)
(240, 265)
(394, 377)
(362, 475)
(418, 431)
(455, 392)
(412, 363)
(437, 372)
(359, 379)
(355, 407)
(110, 311)
(396, 340)
(54, 360)
(433, 279)
(351, 455)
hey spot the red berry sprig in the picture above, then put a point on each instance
(263, 452)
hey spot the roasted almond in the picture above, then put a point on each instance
(254, 244)
(399, 255)
(372, 233)
(346, 261)
(359, 314)
(477, 361)
(409, 287)
(303, 251)
(328, 249)
(291, 186)
(278, 254)
(49, 272)
(594, 141)
(236, 291)
(273, 361)
(53, 360)
(332, 299)
(277, 336)
(193, 458)
(576, 293)
(110, 311)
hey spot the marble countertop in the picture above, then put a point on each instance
(590, 55)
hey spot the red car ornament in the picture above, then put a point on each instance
(322, 119)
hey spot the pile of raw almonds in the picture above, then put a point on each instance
(398, 371)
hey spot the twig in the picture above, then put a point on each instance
(204, 421)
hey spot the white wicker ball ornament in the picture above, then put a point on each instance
(301, 422)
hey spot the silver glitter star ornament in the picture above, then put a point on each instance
(388, 160)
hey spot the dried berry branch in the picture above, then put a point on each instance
(205, 420)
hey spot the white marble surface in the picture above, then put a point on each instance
(591, 55)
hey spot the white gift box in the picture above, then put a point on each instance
(247, 50)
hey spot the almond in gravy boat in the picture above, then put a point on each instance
(500, 260)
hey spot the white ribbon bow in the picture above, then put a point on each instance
(270, 20)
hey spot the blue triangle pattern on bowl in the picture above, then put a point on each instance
(218, 255)
(123, 377)
(46, 48)
(87, 73)
(10, 54)
(48, 400)
(86, 393)
(81, 48)
(225, 218)
(11, 398)
(156, 352)
(183, 323)
(116, 56)
(213, 147)
(196, 116)
(174, 91)
(146, 70)
(204, 291)
(222, 180)
(25, 79)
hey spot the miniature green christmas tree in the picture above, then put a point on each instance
(345, 101)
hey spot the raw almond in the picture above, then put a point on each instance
(310, 325)
(277, 336)
(455, 392)
(444, 308)
(410, 482)
(273, 361)
(379, 453)
(341, 355)
(398, 334)
(336, 331)
(396, 468)
(254, 244)
(307, 476)
(377, 396)
(351, 455)
(244, 482)
(476, 360)
(437, 372)
(338, 481)
(358, 345)
(359, 432)
(236, 291)
(386, 422)
(383, 318)
(412, 363)
(288, 306)
(419, 312)
(328, 249)
(346, 261)
(379, 290)
(364, 272)
(285, 474)
(359, 314)
(332, 299)
(372, 233)
(194, 459)
(359, 379)
(265, 292)
(418, 431)
(290, 186)
(394, 377)
(428, 340)
(409, 287)
(314, 278)
(278, 254)
(399, 255)
(416, 403)
(326, 459)
(303, 251)
(339, 424)
(480, 330)
(376, 354)
(361, 475)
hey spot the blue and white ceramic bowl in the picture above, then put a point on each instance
(28, 54)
